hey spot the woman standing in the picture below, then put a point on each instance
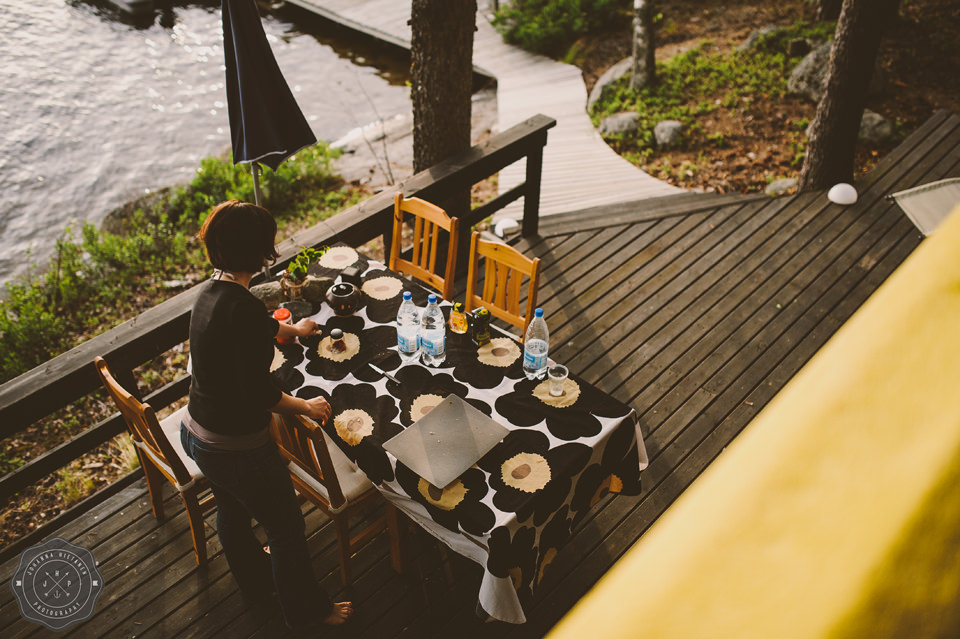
(225, 430)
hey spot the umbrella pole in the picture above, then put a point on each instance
(258, 197)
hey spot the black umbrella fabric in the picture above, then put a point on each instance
(266, 124)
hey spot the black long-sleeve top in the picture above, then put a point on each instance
(231, 344)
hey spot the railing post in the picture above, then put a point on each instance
(531, 199)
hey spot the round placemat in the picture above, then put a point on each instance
(353, 347)
(571, 392)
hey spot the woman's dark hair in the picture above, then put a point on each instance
(239, 236)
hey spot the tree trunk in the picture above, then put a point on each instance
(644, 46)
(833, 138)
(829, 10)
(441, 75)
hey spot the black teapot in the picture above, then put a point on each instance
(343, 298)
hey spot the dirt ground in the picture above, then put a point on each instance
(919, 66)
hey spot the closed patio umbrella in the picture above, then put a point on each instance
(266, 124)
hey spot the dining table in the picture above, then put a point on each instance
(516, 507)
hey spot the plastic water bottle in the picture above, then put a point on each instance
(408, 329)
(433, 337)
(536, 344)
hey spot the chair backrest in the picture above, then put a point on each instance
(429, 220)
(144, 427)
(302, 442)
(503, 273)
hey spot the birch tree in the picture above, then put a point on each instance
(644, 47)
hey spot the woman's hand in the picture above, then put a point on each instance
(306, 327)
(318, 409)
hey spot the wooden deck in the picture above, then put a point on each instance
(579, 169)
(693, 309)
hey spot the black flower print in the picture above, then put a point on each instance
(523, 408)
(552, 538)
(528, 477)
(283, 368)
(462, 355)
(363, 345)
(360, 423)
(512, 556)
(456, 506)
(420, 390)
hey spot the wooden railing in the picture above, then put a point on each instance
(70, 376)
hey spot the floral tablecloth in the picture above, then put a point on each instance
(513, 510)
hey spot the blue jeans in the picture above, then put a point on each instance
(256, 484)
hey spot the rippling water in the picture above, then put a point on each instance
(95, 110)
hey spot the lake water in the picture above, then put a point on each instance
(96, 110)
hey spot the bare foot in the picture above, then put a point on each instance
(340, 613)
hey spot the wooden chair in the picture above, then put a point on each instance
(324, 475)
(162, 457)
(429, 220)
(503, 273)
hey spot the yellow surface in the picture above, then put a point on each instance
(811, 520)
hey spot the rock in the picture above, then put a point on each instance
(606, 79)
(781, 186)
(315, 288)
(622, 123)
(117, 221)
(757, 36)
(270, 293)
(667, 133)
(174, 284)
(874, 128)
(808, 76)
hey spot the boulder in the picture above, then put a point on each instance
(606, 79)
(667, 133)
(809, 76)
(781, 186)
(757, 36)
(315, 289)
(270, 293)
(623, 123)
(874, 128)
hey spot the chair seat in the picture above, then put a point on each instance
(171, 428)
(353, 482)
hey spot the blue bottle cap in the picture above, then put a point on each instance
(407, 296)
(538, 312)
(432, 299)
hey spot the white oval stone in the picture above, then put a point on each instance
(842, 193)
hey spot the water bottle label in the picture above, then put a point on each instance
(408, 343)
(433, 346)
(533, 361)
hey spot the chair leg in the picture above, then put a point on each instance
(343, 539)
(397, 532)
(195, 514)
(155, 480)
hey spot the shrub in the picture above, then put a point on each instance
(98, 279)
(551, 26)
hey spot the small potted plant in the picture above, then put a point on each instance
(295, 276)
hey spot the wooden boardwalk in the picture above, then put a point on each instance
(693, 309)
(579, 169)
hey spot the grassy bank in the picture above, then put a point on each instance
(97, 279)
